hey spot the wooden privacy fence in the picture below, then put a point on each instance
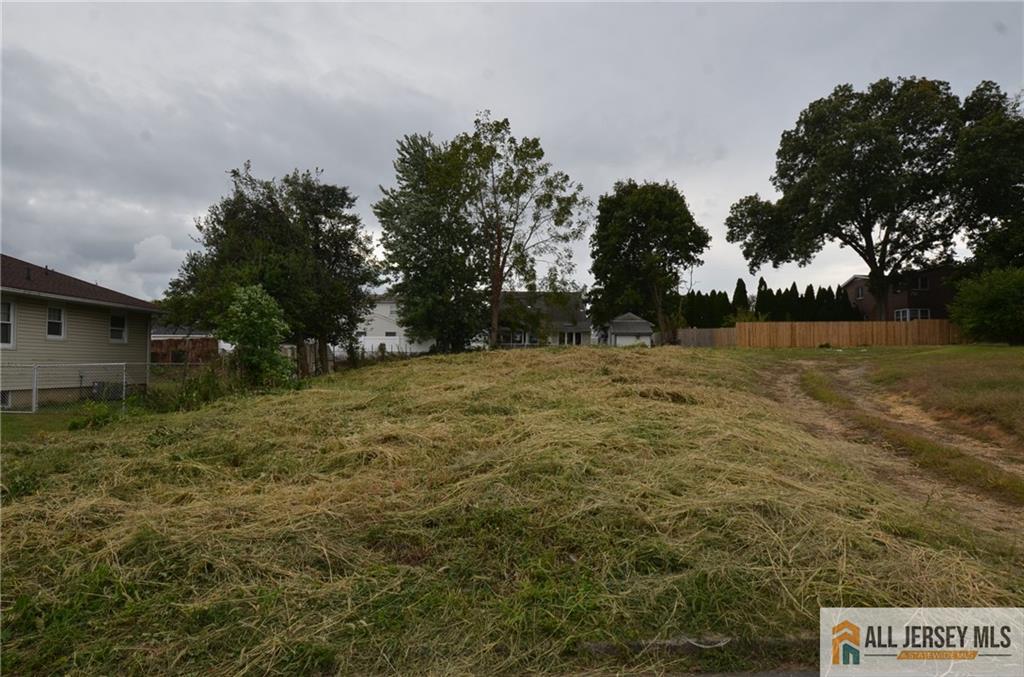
(846, 334)
(707, 338)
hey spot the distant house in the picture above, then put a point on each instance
(528, 319)
(49, 318)
(381, 333)
(182, 344)
(531, 319)
(916, 295)
(629, 330)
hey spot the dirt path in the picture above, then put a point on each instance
(889, 466)
(907, 413)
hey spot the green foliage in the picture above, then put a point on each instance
(434, 251)
(740, 299)
(200, 385)
(991, 306)
(255, 324)
(93, 415)
(644, 238)
(469, 218)
(872, 170)
(520, 207)
(788, 305)
(296, 237)
(990, 177)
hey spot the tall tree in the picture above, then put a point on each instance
(520, 206)
(298, 239)
(740, 300)
(990, 177)
(644, 238)
(434, 252)
(871, 170)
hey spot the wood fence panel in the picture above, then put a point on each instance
(723, 337)
(843, 334)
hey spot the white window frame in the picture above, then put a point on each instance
(11, 320)
(860, 293)
(908, 314)
(63, 323)
(124, 330)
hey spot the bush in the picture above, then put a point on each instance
(174, 392)
(254, 323)
(94, 415)
(990, 307)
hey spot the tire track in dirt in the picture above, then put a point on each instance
(886, 463)
(907, 413)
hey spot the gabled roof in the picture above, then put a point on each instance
(563, 311)
(28, 278)
(176, 330)
(855, 277)
(628, 323)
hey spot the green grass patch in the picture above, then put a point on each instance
(501, 512)
(950, 463)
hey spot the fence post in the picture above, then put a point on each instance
(35, 387)
(124, 385)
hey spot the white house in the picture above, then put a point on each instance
(381, 333)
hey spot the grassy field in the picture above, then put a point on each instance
(549, 510)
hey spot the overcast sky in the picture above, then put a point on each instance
(120, 121)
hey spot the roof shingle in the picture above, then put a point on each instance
(18, 275)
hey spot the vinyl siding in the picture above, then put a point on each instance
(86, 336)
(381, 321)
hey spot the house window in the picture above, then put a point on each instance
(55, 323)
(570, 338)
(360, 334)
(920, 283)
(391, 334)
(907, 314)
(118, 328)
(860, 293)
(7, 323)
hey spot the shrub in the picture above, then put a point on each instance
(254, 323)
(990, 307)
(94, 415)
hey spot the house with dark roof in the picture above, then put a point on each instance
(49, 318)
(535, 318)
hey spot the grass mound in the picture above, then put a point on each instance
(492, 512)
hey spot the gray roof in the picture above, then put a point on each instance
(563, 311)
(178, 330)
(628, 323)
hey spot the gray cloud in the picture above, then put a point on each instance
(119, 121)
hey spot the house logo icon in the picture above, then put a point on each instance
(846, 644)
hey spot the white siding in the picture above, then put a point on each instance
(382, 321)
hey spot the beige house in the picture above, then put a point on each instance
(67, 337)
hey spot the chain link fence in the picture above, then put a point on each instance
(30, 388)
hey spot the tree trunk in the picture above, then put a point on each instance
(878, 285)
(325, 356)
(302, 357)
(667, 332)
(495, 311)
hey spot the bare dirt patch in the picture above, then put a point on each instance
(890, 467)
